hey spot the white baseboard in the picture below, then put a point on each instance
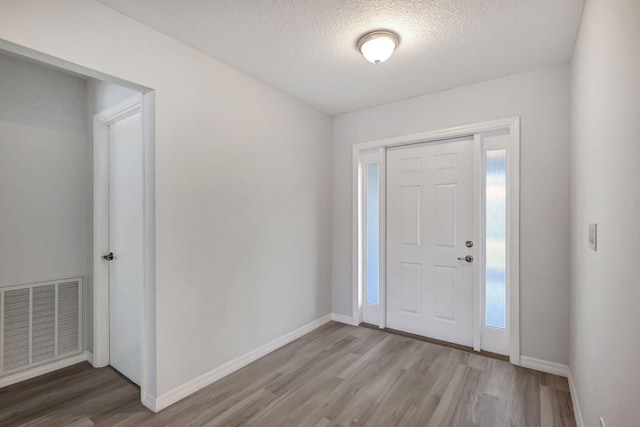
(44, 369)
(544, 366)
(157, 404)
(577, 412)
(149, 401)
(342, 319)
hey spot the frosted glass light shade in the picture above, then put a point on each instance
(378, 46)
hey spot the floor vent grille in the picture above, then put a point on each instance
(39, 323)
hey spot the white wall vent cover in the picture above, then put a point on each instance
(39, 323)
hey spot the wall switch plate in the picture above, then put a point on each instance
(593, 237)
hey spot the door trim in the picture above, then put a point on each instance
(143, 104)
(512, 125)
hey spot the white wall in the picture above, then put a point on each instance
(45, 174)
(541, 98)
(605, 154)
(243, 204)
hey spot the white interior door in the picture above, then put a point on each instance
(430, 217)
(126, 244)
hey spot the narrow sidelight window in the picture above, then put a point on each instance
(496, 243)
(373, 233)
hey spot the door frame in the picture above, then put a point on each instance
(512, 126)
(143, 104)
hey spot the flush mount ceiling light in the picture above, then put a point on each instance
(377, 46)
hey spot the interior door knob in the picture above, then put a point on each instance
(108, 257)
(468, 258)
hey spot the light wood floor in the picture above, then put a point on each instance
(337, 375)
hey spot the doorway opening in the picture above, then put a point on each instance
(116, 326)
(436, 235)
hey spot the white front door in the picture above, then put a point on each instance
(126, 243)
(430, 217)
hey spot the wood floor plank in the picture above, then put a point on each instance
(556, 408)
(490, 411)
(554, 382)
(447, 405)
(524, 402)
(82, 422)
(467, 399)
(324, 422)
(335, 376)
(401, 399)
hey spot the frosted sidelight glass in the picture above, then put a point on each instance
(496, 244)
(373, 233)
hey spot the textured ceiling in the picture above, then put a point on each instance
(306, 48)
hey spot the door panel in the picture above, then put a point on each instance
(409, 287)
(410, 215)
(429, 218)
(126, 242)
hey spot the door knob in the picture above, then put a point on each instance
(468, 258)
(108, 257)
